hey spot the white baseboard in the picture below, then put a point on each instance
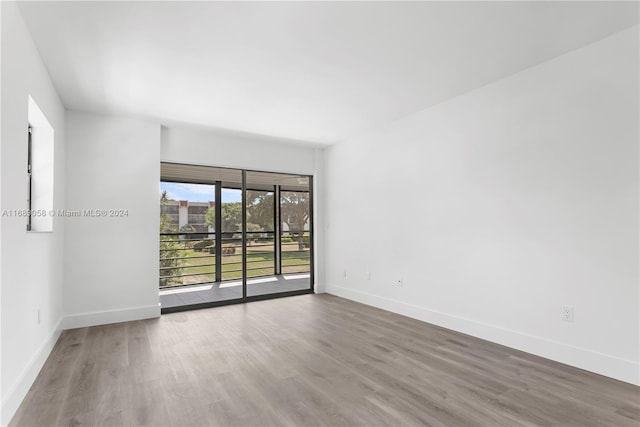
(12, 399)
(83, 320)
(603, 364)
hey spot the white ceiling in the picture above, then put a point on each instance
(317, 72)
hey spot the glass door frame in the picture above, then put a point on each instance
(277, 229)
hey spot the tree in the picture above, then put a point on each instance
(169, 246)
(231, 217)
(210, 218)
(260, 210)
(294, 208)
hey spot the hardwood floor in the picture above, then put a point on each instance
(309, 360)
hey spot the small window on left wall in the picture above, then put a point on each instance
(40, 143)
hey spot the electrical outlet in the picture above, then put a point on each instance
(567, 313)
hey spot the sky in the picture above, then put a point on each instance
(197, 192)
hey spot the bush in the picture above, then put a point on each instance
(203, 244)
(228, 250)
(286, 240)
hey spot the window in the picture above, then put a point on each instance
(29, 177)
(40, 140)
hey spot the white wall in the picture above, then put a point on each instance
(30, 263)
(1, 393)
(202, 146)
(319, 221)
(502, 205)
(111, 263)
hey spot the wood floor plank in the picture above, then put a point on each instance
(311, 360)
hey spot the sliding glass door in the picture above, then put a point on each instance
(191, 266)
(280, 205)
(229, 235)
